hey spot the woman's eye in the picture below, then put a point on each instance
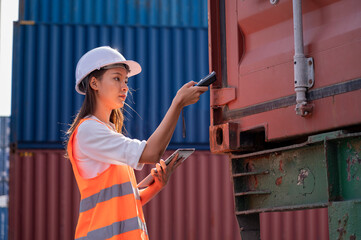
(126, 81)
(117, 79)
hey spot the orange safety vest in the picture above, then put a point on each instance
(110, 206)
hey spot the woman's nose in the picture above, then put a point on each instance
(125, 87)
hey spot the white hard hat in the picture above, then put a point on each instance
(100, 57)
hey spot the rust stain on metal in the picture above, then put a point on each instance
(348, 161)
(250, 167)
(255, 182)
(342, 226)
(279, 181)
(281, 166)
(351, 161)
(349, 146)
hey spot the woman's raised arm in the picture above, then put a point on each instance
(159, 140)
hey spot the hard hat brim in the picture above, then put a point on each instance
(134, 69)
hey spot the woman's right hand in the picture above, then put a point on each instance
(163, 173)
(189, 94)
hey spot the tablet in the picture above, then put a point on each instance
(184, 153)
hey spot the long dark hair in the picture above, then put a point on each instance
(88, 106)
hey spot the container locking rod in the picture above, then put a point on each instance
(303, 67)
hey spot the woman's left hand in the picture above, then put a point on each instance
(163, 173)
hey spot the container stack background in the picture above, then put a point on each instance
(4, 175)
(170, 40)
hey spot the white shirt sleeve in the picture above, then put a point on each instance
(95, 141)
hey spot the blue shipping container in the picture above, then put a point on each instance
(4, 155)
(116, 12)
(4, 223)
(44, 101)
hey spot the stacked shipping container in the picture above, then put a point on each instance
(44, 88)
(170, 41)
(4, 175)
(4, 155)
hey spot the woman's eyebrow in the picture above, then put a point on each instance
(117, 73)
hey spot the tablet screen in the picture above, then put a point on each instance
(184, 153)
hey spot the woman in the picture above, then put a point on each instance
(103, 159)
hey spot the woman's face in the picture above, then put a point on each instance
(112, 89)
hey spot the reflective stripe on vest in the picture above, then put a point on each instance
(115, 229)
(116, 190)
(110, 203)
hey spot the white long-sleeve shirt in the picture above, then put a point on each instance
(96, 147)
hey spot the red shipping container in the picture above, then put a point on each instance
(196, 204)
(311, 224)
(252, 50)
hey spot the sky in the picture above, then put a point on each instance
(9, 14)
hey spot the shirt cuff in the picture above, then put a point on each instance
(136, 165)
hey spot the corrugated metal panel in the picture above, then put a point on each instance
(43, 196)
(116, 12)
(311, 224)
(196, 204)
(44, 101)
(4, 215)
(4, 155)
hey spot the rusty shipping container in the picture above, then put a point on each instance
(285, 108)
(255, 90)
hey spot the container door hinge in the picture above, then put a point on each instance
(304, 80)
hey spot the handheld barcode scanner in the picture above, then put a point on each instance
(204, 82)
(207, 80)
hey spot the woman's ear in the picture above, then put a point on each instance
(94, 83)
